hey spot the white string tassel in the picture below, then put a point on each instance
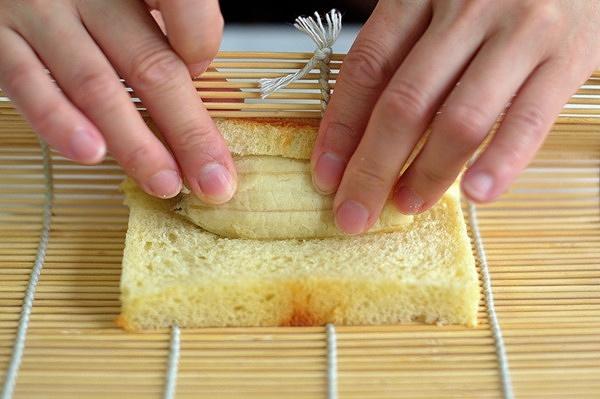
(324, 39)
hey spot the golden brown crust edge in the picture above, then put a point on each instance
(276, 137)
(290, 138)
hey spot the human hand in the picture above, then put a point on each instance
(86, 45)
(464, 61)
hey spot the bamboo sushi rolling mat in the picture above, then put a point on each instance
(542, 242)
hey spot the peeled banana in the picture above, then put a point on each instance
(275, 199)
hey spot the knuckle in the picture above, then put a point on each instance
(543, 14)
(154, 68)
(404, 100)
(341, 138)
(368, 177)
(44, 13)
(529, 118)
(35, 3)
(458, 15)
(465, 124)
(194, 136)
(95, 89)
(40, 6)
(470, 8)
(134, 158)
(367, 66)
(18, 75)
(434, 175)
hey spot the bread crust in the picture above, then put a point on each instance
(289, 138)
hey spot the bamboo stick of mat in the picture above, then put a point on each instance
(541, 241)
(233, 78)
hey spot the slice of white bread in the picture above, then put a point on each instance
(175, 272)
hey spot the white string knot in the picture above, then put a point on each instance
(323, 54)
(324, 37)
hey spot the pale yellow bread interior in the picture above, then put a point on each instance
(174, 272)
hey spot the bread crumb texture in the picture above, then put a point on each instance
(175, 272)
(290, 138)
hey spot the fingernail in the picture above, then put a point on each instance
(216, 182)
(478, 185)
(84, 146)
(408, 201)
(351, 217)
(198, 69)
(328, 172)
(164, 184)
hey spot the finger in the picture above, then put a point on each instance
(378, 50)
(89, 81)
(523, 130)
(194, 29)
(50, 113)
(493, 77)
(400, 117)
(162, 81)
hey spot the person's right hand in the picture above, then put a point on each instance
(454, 66)
(86, 45)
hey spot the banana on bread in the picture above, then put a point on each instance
(411, 268)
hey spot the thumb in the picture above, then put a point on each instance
(194, 29)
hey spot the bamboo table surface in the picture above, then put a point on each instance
(542, 241)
